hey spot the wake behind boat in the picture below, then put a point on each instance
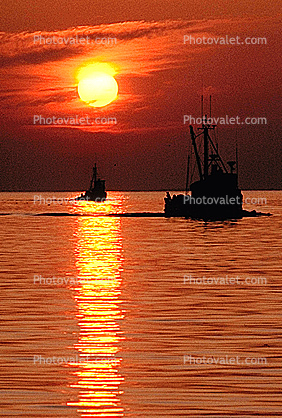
(97, 190)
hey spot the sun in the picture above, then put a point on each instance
(96, 84)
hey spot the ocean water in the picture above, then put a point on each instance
(111, 316)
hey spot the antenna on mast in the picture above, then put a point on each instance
(210, 106)
(202, 97)
(237, 154)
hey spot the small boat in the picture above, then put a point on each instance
(97, 190)
(215, 195)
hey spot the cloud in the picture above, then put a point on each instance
(21, 48)
(24, 48)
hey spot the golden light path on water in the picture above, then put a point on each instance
(99, 261)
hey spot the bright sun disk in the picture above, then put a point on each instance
(96, 85)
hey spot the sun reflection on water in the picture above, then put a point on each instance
(99, 261)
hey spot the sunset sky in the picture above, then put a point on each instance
(160, 79)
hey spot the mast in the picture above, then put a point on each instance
(203, 165)
(206, 151)
(94, 177)
(95, 172)
(202, 106)
(196, 152)
(210, 107)
(188, 167)
(206, 143)
(187, 175)
(237, 158)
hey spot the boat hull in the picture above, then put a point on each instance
(180, 206)
(217, 198)
(89, 196)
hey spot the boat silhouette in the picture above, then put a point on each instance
(215, 195)
(97, 190)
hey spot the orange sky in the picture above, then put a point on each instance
(160, 79)
(25, 15)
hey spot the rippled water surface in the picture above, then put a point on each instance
(108, 316)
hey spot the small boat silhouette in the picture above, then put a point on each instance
(97, 190)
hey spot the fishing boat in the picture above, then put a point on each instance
(215, 194)
(97, 190)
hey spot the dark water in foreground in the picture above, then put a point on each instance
(110, 317)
